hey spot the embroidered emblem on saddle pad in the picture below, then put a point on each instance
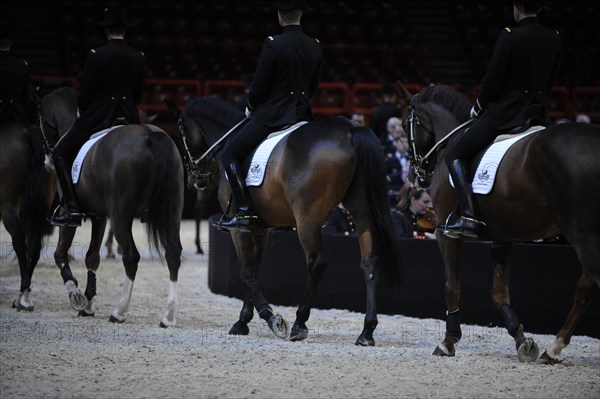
(258, 166)
(76, 168)
(485, 175)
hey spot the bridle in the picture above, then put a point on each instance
(422, 164)
(199, 168)
(43, 122)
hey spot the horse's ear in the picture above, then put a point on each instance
(404, 91)
(171, 106)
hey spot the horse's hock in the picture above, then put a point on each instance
(542, 287)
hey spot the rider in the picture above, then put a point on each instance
(15, 83)
(286, 78)
(519, 77)
(111, 87)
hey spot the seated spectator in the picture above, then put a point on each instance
(383, 112)
(358, 118)
(395, 148)
(413, 216)
(339, 221)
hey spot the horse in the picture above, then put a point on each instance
(26, 192)
(133, 171)
(316, 167)
(167, 121)
(552, 172)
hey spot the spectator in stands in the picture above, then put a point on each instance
(395, 148)
(383, 112)
(358, 118)
(521, 73)
(285, 80)
(583, 118)
(16, 90)
(339, 221)
(410, 216)
(110, 90)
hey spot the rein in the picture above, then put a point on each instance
(420, 163)
(192, 164)
(42, 120)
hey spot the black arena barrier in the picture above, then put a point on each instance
(542, 282)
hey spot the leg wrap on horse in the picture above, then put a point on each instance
(261, 306)
(453, 325)
(66, 275)
(511, 321)
(90, 290)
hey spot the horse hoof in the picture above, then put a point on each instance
(441, 350)
(528, 350)
(113, 319)
(279, 326)
(163, 325)
(362, 341)
(84, 313)
(298, 334)
(239, 328)
(78, 300)
(17, 305)
(547, 359)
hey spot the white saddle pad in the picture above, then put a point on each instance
(76, 168)
(484, 178)
(258, 166)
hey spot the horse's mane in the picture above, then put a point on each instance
(457, 103)
(214, 109)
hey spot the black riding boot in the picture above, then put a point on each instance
(71, 215)
(468, 223)
(242, 218)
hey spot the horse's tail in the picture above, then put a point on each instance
(34, 212)
(165, 200)
(370, 180)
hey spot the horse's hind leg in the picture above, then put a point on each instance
(310, 239)
(527, 349)
(92, 261)
(131, 258)
(14, 228)
(173, 256)
(61, 258)
(587, 286)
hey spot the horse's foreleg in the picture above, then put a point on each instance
(61, 258)
(527, 349)
(249, 249)
(586, 288)
(246, 314)
(451, 250)
(173, 256)
(92, 261)
(131, 258)
(198, 212)
(370, 275)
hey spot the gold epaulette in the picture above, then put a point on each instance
(507, 29)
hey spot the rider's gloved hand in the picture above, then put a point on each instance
(248, 112)
(475, 111)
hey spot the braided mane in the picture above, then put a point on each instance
(457, 103)
(215, 109)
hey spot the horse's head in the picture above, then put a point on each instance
(57, 112)
(431, 117)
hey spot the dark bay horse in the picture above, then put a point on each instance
(546, 184)
(26, 191)
(310, 172)
(135, 170)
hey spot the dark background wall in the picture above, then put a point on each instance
(542, 285)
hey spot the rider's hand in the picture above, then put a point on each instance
(475, 112)
(248, 112)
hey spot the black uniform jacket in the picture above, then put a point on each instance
(286, 78)
(15, 83)
(112, 83)
(521, 72)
